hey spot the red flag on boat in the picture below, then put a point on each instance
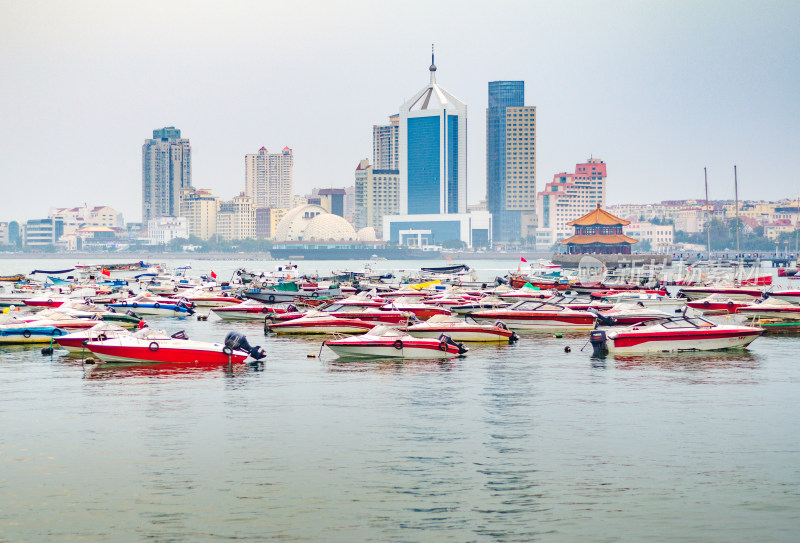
(213, 275)
(105, 272)
(448, 258)
(522, 259)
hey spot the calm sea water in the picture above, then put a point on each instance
(520, 442)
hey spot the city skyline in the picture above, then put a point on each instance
(710, 85)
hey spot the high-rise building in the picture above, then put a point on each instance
(568, 197)
(511, 161)
(376, 195)
(268, 178)
(433, 152)
(236, 218)
(166, 169)
(386, 144)
(200, 209)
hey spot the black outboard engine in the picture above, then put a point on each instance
(183, 302)
(599, 342)
(605, 321)
(500, 281)
(447, 339)
(236, 341)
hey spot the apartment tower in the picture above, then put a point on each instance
(268, 178)
(166, 170)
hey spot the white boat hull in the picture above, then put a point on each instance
(460, 335)
(542, 324)
(688, 344)
(389, 351)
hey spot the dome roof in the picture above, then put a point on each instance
(366, 234)
(311, 222)
(329, 227)
(294, 222)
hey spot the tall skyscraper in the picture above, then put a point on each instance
(386, 144)
(433, 152)
(511, 161)
(268, 178)
(166, 169)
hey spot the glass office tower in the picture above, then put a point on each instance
(510, 161)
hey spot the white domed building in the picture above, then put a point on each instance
(310, 231)
(313, 223)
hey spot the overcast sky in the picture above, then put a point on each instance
(658, 90)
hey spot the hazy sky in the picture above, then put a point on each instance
(656, 89)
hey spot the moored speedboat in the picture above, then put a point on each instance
(772, 308)
(385, 342)
(532, 315)
(625, 313)
(13, 334)
(674, 334)
(76, 341)
(246, 311)
(460, 330)
(156, 346)
(318, 322)
(717, 303)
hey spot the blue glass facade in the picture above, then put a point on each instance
(502, 94)
(452, 164)
(424, 147)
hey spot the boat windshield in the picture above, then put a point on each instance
(530, 305)
(692, 322)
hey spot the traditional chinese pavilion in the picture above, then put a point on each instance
(599, 232)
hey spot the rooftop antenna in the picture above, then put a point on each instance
(432, 68)
(708, 220)
(736, 195)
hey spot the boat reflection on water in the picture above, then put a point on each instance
(685, 361)
(166, 370)
(391, 365)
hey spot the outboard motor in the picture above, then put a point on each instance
(183, 302)
(605, 321)
(599, 342)
(500, 281)
(444, 338)
(236, 341)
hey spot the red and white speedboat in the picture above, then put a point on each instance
(733, 292)
(717, 303)
(487, 302)
(249, 310)
(772, 308)
(156, 346)
(319, 322)
(532, 315)
(418, 309)
(76, 341)
(625, 313)
(674, 334)
(42, 302)
(460, 330)
(385, 342)
(209, 299)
